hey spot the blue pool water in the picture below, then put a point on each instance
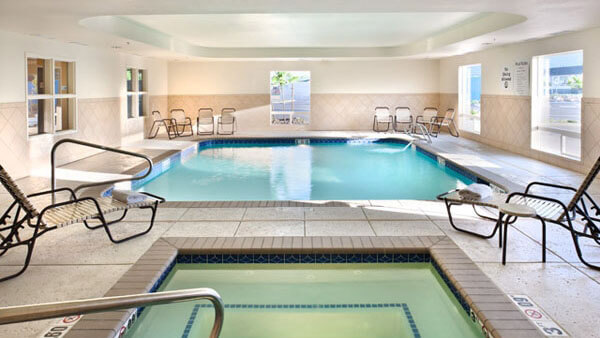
(319, 171)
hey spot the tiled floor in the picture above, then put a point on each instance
(74, 262)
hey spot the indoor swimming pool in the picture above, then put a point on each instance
(305, 169)
(311, 300)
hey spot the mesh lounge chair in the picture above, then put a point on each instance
(227, 118)
(444, 121)
(75, 210)
(428, 116)
(403, 118)
(205, 118)
(169, 124)
(181, 122)
(547, 209)
(382, 116)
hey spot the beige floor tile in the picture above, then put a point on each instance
(520, 247)
(338, 228)
(202, 229)
(270, 229)
(406, 228)
(253, 214)
(333, 213)
(213, 214)
(42, 284)
(562, 291)
(400, 213)
(75, 244)
(162, 214)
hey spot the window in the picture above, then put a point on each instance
(290, 97)
(51, 97)
(137, 92)
(469, 98)
(557, 89)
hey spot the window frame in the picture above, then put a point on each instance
(460, 103)
(52, 96)
(535, 106)
(135, 93)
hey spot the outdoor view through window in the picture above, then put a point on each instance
(469, 106)
(290, 97)
(557, 89)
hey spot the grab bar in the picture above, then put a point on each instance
(97, 146)
(25, 313)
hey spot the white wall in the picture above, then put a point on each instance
(252, 77)
(100, 88)
(492, 61)
(100, 72)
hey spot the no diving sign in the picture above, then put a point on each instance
(61, 327)
(538, 317)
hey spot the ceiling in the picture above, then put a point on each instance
(293, 30)
(308, 29)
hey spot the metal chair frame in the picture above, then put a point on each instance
(169, 124)
(199, 119)
(182, 123)
(226, 112)
(376, 121)
(444, 121)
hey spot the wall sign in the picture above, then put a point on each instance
(521, 77)
(515, 78)
(506, 79)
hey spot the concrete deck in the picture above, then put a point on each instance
(74, 263)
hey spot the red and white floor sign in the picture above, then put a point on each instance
(60, 327)
(543, 322)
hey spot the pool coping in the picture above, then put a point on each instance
(489, 305)
(473, 172)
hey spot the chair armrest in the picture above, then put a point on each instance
(161, 199)
(537, 197)
(443, 195)
(419, 119)
(549, 185)
(437, 119)
(189, 120)
(54, 191)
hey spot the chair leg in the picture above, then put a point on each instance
(543, 239)
(94, 227)
(505, 240)
(451, 220)
(30, 246)
(110, 236)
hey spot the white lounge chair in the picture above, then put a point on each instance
(227, 118)
(205, 118)
(158, 121)
(181, 122)
(444, 121)
(382, 116)
(403, 120)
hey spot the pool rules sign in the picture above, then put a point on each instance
(515, 78)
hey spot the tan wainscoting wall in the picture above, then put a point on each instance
(506, 124)
(98, 122)
(328, 111)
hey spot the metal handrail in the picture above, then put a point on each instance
(97, 146)
(25, 313)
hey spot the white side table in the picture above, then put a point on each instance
(519, 210)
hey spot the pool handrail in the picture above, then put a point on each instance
(97, 146)
(25, 313)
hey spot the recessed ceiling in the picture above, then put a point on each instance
(306, 29)
(302, 29)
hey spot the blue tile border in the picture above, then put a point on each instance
(405, 309)
(166, 164)
(294, 258)
(190, 322)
